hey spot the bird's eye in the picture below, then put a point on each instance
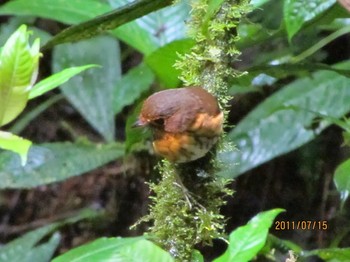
(158, 122)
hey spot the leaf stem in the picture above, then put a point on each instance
(313, 49)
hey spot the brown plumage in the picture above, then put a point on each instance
(186, 122)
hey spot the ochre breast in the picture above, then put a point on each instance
(186, 122)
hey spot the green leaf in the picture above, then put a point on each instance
(163, 59)
(274, 128)
(262, 75)
(108, 21)
(24, 248)
(131, 86)
(54, 162)
(91, 92)
(17, 249)
(117, 249)
(299, 12)
(65, 11)
(284, 70)
(55, 80)
(18, 71)
(330, 254)
(132, 34)
(43, 252)
(168, 24)
(246, 241)
(342, 180)
(139, 35)
(160, 27)
(16, 144)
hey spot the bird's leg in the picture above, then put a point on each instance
(189, 196)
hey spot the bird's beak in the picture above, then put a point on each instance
(139, 123)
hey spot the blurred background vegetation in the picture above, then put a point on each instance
(288, 120)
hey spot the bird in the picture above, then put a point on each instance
(185, 122)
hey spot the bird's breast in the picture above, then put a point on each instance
(192, 144)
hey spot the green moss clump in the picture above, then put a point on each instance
(188, 198)
(210, 63)
(182, 217)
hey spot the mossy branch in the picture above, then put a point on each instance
(188, 198)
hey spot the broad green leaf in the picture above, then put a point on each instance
(284, 70)
(43, 252)
(18, 71)
(167, 24)
(330, 254)
(163, 26)
(24, 248)
(246, 241)
(117, 250)
(342, 180)
(276, 127)
(55, 80)
(131, 86)
(73, 12)
(16, 144)
(268, 74)
(49, 163)
(163, 59)
(65, 11)
(91, 92)
(299, 12)
(108, 21)
(132, 34)
(17, 249)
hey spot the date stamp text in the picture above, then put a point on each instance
(301, 225)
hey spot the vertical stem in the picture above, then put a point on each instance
(184, 218)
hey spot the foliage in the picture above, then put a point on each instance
(246, 241)
(19, 69)
(117, 249)
(30, 246)
(284, 47)
(19, 64)
(262, 132)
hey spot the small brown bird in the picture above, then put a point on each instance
(185, 122)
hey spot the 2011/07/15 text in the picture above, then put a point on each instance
(303, 225)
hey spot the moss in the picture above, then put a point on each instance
(210, 62)
(181, 217)
(188, 198)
